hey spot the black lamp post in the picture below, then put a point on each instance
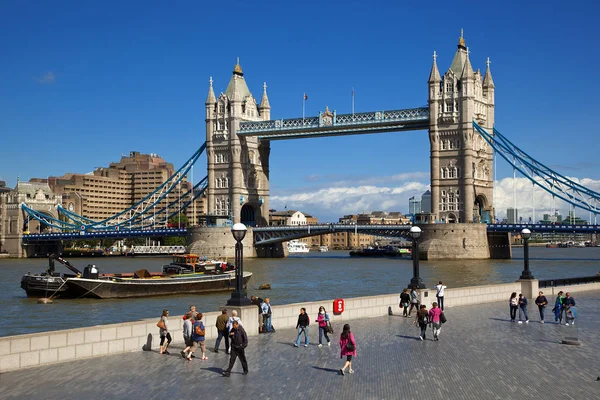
(239, 295)
(416, 282)
(526, 274)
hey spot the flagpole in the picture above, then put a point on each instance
(303, 105)
(352, 102)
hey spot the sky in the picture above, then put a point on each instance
(84, 82)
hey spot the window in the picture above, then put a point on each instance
(443, 173)
(452, 173)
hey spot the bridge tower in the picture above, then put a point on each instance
(238, 167)
(462, 182)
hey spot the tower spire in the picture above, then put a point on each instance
(237, 70)
(461, 40)
(468, 68)
(488, 82)
(434, 76)
(264, 102)
(210, 99)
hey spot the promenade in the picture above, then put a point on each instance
(480, 355)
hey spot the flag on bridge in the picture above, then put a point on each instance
(305, 96)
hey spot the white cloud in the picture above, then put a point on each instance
(347, 197)
(46, 79)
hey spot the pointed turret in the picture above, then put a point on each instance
(468, 68)
(434, 76)
(210, 99)
(237, 89)
(264, 102)
(488, 81)
(459, 60)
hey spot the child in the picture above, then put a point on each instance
(569, 316)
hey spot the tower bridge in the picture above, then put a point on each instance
(459, 119)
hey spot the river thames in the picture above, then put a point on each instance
(299, 278)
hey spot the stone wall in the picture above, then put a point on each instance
(453, 242)
(36, 349)
(218, 242)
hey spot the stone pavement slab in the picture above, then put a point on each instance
(480, 355)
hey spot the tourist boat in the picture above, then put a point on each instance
(387, 251)
(323, 249)
(296, 246)
(186, 274)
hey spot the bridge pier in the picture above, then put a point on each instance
(500, 246)
(454, 241)
(277, 250)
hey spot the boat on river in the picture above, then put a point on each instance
(387, 251)
(186, 274)
(296, 246)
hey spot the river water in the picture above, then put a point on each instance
(299, 278)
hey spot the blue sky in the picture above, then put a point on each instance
(83, 82)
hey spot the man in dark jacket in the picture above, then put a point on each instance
(222, 330)
(257, 301)
(239, 341)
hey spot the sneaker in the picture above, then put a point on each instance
(541, 322)
(245, 373)
(421, 337)
(295, 344)
(217, 351)
(520, 322)
(188, 358)
(527, 321)
(573, 323)
(320, 345)
(566, 323)
(305, 345)
(182, 354)
(342, 372)
(166, 352)
(205, 358)
(351, 371)
(225, 373)
(329, 344)
(437, 339)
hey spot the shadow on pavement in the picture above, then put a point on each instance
(337, 371)
(409, 337)
(214, 369)
(500, 319)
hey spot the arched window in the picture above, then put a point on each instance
(443, 171)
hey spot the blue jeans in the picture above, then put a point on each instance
(558, 313)
(523, 310)
(440, 300)
(323, 331)
(300, 330)
(267, 323)
(541, 308)
(222, 334)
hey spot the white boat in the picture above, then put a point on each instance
(324, 249)
(296, 246)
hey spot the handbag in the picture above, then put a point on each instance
(350, 346)
(328, 327)
(161, 324)
(400, 305)
(443, 318)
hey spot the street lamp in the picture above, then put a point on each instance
(239, 295)
(526, 274)
(416, 282)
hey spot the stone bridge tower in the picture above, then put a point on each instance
(462, 182)
(238, 168)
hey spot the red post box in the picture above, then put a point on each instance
(338, 306)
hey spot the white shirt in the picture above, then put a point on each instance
(440, 290)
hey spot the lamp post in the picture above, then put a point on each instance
(239, 295)
(416, 282)
(526, 274)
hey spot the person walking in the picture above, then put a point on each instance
(302, 326)
(414, 300)
(187, 334)
(198, 335)
(523, 308)
(422, 320)
(266, 315)
(230, 322)
(257, 301)
(323, 320)
(541, 302)
(558, 307)
(222, 331)
(164, 332)
(513, 303)
(239, 342)
(435, 320)
(404, 301)
(569, 306)
(440, 294)
(348, 348)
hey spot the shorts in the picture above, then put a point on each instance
(201, 343)
(188, 341)
(349, 357)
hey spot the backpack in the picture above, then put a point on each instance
(422, 318)
(198, 329)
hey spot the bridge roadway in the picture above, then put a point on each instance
(277, 234)
(480, 355)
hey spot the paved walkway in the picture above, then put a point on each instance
(480, 355)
